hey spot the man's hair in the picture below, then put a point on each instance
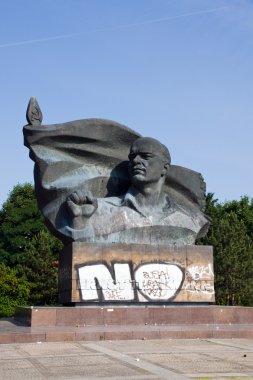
(162, 149)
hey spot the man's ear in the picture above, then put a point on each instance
(165, 169)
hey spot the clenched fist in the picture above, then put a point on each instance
(80, 204)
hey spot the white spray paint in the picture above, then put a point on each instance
(119, 290)
(154, 281)
(199, 279)
(158, 281)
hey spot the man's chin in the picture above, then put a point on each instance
(138, 178)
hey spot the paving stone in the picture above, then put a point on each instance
(13, 364)
(72, 361)
(21, 374)
(191, 363)
(243, 358)
(94, 370)
(54, 348)
(129, 360)
(8, 351)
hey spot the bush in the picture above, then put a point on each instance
(14, 291)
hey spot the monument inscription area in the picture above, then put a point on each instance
(136, 273)
(127, 217)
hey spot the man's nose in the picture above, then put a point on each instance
(136, 159)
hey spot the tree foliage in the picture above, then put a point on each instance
(231, 235)
(40, 265)
(14, 290)
(27, 245)
(20, 220)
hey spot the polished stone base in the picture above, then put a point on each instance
(134, 315)
(135, 274)
(51, 324)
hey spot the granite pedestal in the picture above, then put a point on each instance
(135, 274)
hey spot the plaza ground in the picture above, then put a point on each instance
(173, 359)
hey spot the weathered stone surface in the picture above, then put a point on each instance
(130, 273)
(98, 181)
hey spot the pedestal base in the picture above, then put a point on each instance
(133, 315)
(48, 324)
(135, 274)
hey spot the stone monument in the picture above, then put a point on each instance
(127, 217)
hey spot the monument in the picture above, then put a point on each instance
(128, 219)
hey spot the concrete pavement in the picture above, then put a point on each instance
(171, 359)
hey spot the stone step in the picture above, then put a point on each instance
(133, 315)
(11, 332)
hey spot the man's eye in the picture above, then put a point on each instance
(146, 156)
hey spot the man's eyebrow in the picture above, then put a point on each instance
(147, 153)
(140, 152)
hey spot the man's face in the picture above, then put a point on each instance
(146, 163)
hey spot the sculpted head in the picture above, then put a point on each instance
(149, 161)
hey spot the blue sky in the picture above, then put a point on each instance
(176, 70)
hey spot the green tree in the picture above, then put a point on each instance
(26, 244)
(230, 234)
(20, 220)
(14, 290)
(39, 264)
(244, 211)
(233, 262)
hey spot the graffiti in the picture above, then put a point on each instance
(97, 278)
(203, 272)
(148, 282)
(153, 281)
(199, 279)
(158, 281)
